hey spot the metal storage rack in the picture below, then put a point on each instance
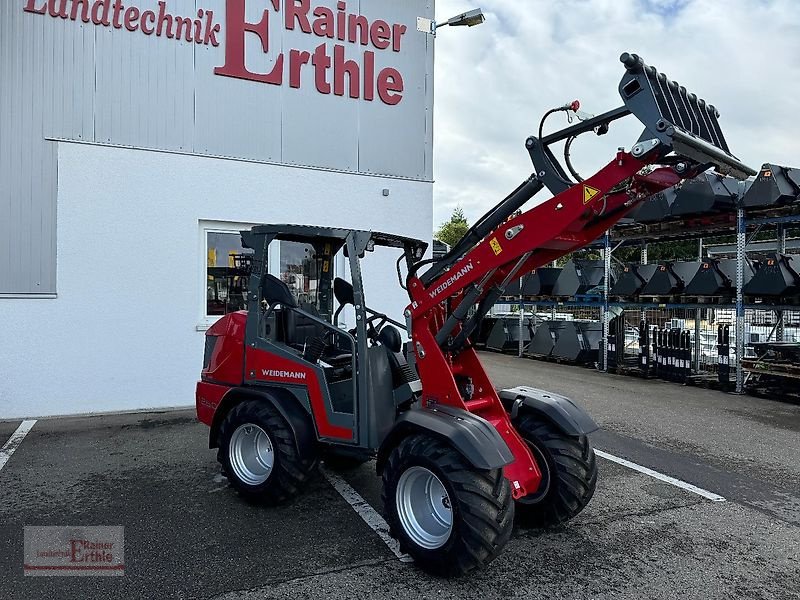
(744, 225)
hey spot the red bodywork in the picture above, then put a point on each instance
(225, 366)
(567, 222)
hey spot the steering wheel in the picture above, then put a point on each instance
(372, 330)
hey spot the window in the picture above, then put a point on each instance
(308, 273)
(227, 272)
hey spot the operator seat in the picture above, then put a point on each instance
(390, 338)
(297, 329)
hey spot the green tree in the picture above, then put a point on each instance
(453, 229)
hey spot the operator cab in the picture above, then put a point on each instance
(297, 309)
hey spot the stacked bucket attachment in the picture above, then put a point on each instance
(670, 278)
(540, 282)
(774, 186)
(506, 332)
(579, 277)
(707, 193)
(656, 208)
(632, 280)
(717, 277)
(545, 338)
(778, 276)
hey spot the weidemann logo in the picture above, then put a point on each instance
(283, 374)
(334, 72)
(451, 280)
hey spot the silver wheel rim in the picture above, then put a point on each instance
(424, 508)
(251, 454)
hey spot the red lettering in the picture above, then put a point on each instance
(148, 16)
(198, 27)
(235, 29)
(296, 61)
(341, 21)
(397, 33)
(183, 24)
(298, 10)
(323, 24)
(381, 33)
(132, 18)
(211, 30)
(31, 7)
(101, 18)
(322, 63)
(58, 12)
(358, 28)
(164, 17)
(390, 86)
(84, 6)
(342, 66)
(117, 14)
(369, 76)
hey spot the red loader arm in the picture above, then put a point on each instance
(681, 139)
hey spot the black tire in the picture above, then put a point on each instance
(481, 504)
(289, 471)
(569, 473)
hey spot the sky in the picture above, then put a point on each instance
(494, 82)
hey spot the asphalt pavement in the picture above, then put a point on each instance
(187, 534)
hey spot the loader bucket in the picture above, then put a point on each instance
(677, 118)
(656, 208)
(778, 276)
(706, 193)
(774, 186)
(717, 278)
(541, 281)
(634, 277)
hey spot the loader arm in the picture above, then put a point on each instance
(681, 139)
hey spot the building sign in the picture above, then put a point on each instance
(334, 73)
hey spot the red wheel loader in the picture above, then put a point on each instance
(283, 385)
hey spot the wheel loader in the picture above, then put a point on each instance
(284, 386)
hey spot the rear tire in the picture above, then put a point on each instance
(449, 516)
(569, 473)
(258, 454)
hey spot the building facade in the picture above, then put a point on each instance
(138, 137)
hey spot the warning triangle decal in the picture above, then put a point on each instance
(589, 193)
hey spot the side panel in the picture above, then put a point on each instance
(265, 364)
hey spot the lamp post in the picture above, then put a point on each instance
(469, 19)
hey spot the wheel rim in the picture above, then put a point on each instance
(544, 469)
(424, 508)
(251, 454)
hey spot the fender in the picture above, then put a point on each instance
(292, 412)
(561, 411)
(472, 436)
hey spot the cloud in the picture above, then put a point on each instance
(493, 82)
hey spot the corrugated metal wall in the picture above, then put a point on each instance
(63, 79)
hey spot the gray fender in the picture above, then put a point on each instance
(472, 436)
(289, 408)
(560, 410)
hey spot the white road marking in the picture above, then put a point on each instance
(366, 512)
(14, 441)
(661, 477)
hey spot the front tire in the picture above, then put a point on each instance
(449, 516)
(569, 473)
(258, 454)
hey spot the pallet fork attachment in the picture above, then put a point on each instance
(681, 139)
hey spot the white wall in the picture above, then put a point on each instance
(122, 333)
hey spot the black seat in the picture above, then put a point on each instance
(390, 338)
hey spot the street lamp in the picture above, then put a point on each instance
(469, 19)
